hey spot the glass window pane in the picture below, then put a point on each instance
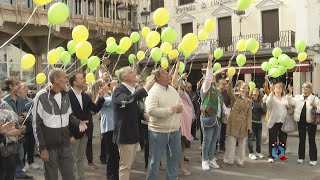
(14, 70)
(3, 72)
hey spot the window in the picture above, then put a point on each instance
(129, 12)
(9, 1)
(155, 4)
(270, 26)
(183, 2)
(91, 8)
(77, 7)
(186, 28)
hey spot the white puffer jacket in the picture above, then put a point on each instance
(298, 103)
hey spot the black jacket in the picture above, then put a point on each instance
(126, 119)
(83, 114)
(257, 111)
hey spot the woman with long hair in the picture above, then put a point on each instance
(277, 105)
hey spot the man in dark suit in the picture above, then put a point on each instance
(81, 105)
(127, 120)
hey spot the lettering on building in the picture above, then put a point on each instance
(188, 8)
(215, 3)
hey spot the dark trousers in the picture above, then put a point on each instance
(276, 136)
(89, 153)
(111, 156)
(7, 168)
(194, 128)
(256, 133)
(303, 127)
(103, 149)
(28, 147)
(145, 142)
(201, 134)
(60, 158)
(222, 140)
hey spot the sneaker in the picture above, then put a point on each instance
(270, 160)
(200, 147)
(205, 166)
(34, 166)
(185, 172)
(313, 163)
(300, 161)
(213, 164)
(24, 170)
(253, 156)
(261, 156)
(92, 165)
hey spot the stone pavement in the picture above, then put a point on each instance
(254, 170)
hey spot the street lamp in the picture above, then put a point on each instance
(145, 15)
(122, 13)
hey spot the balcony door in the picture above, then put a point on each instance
(186, 28)
(270, 26)
(225, 31)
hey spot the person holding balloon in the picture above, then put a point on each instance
(239, 123)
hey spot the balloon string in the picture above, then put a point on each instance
(71, 65)
(190, 69)
(146, 65)
(254, 69)
(20, 29)
(114, 67)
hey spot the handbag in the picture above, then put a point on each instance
(289, 125)
(315, 116)
(9, 149)
(208, 121)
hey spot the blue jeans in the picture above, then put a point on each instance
(20, 165)
(210, 138)
(158, 143)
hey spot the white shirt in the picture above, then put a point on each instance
(79, 97)
(130, 88)
(58, 97)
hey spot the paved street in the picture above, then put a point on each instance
(254, 170)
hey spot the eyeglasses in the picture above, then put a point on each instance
(307, 87)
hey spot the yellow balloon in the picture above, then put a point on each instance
(241, 45)
(209, 25)
(110, 40)
(302, 56)
(256, 48)
(83, 50)
(41, 2)
(173, 54)
(53, 56)
(90, 78)
(161, 16)
(141, 55)
(189, 43)
(125, 43)
(166, 48)
(203, 34)
(28, 61)
(231, 71)
(80, 33)
(164, 64)
(145, 31)
(41, 78)
(153, 39)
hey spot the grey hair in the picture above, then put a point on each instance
(123, 72)
(55, 72)
(308, 83)
(156, 72)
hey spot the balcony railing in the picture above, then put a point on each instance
(281, 39)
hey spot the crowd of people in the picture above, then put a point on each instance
(160, 115)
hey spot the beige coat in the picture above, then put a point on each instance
(240, 118)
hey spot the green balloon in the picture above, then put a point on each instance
(112, 47)
(250, 44)
(116, 73)
(131, 58)
(156, 54)
(241, 60)
(300, 46)
(244, 4)
(265, 66)
(93, 62)
(65, 57)
(218, 53)
(71, 46)
(180, 48)
(216, 67)
(252, 85)
(135, 37)
(291, 64)
(120, 50)
(169, 35)
(60, 50)
(58, 13)
(84, 61)
(274, 72)
(273, 62)
(283, 59)
(276, 52)
(282, 70)
(187, 55)
(164, 59)
(181, 67)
